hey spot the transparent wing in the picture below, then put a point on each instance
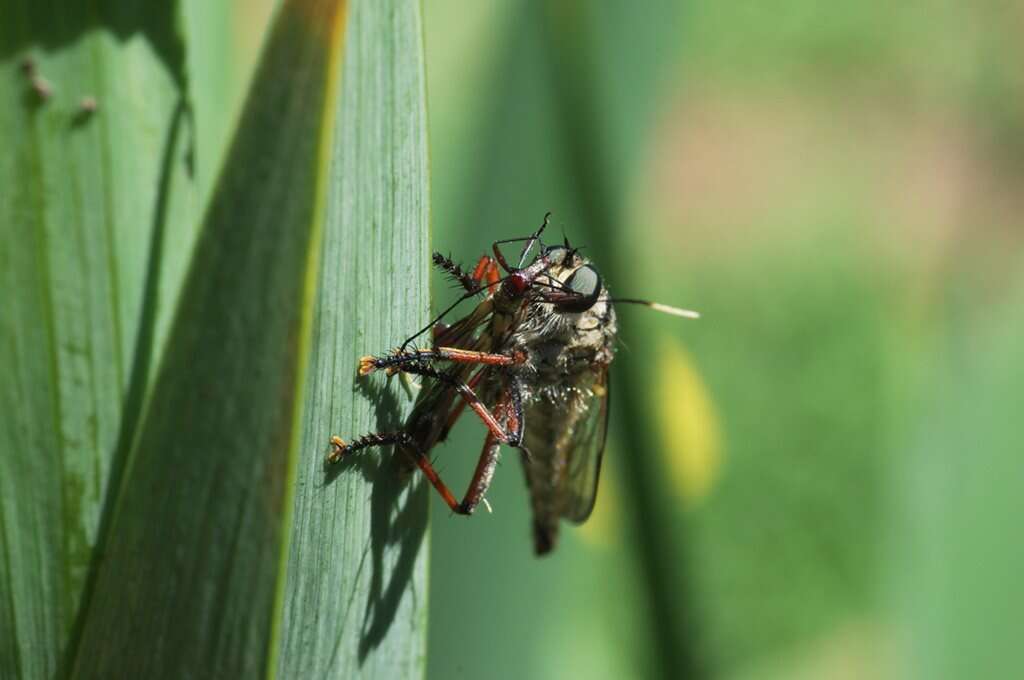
(584, 451)
(466, 332)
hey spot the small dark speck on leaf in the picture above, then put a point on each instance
(41, 86)
(28, 66)
(87, 107)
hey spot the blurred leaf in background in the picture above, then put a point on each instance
(522, 157)
(808, 178)
(954, 576)
(224, 43)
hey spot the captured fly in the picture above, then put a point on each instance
(531, 361)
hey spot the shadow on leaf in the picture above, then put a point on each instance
(398, 519)
(156, 22)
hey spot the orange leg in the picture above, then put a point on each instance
(413, 362)
(482, 412)
(480, 270)
(508, 411)
(482, 475)
(461, 406)
(340, 449)
(493, 276)
(487, 270)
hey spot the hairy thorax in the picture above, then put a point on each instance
(564, 351)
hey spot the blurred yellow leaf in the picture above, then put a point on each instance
(688, 423)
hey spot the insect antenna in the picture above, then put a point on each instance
(462, 298)
(658, 307)
(455, 272)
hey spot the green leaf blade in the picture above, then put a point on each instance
(89, 196)
(189, 572)
(313, 252)
(354, 602)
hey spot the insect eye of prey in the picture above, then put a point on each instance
(519, 282)
(585, 282)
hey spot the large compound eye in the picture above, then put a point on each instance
(585, 285)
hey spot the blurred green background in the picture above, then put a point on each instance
(821, 478)
(830, 466)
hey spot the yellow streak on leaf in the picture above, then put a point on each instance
(324, 18)
(688, 423)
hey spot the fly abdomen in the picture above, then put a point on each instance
(545, 470)
(545, 535)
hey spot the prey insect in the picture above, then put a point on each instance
(531, 362)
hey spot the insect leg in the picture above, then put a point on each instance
(461, 406)
(515, 420)
(465, 391)
(482, 412)
(483, 474)
(511, 409)
(490, 272)
(483, 265)
(402, 440)
(400, 361)
(516, 423)
(530, 240)
(467, 394)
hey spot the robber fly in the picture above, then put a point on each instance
(535, 349)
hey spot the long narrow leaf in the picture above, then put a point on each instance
(354, 604)
(97, 220)
(232, 552)
(194, 535)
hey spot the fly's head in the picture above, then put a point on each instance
(554, 307)
(558, 276)
(570, 283)
(568, 326)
